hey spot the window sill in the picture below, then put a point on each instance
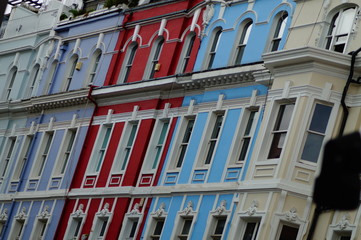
(306, 164)
(268, 162)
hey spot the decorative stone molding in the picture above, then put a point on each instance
(79, 211)
(135, 209)
(105, 210)
(188, 209)
(45, 213)
(208, 14)
(221, 208)
(253, 208)
(344, 222)
(21, 214)
(4, 215)
(160, 211)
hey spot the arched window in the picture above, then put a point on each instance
(243, 39)
(128, 62)
(33, 77)
(70, 72)
(340, 28)
(51, 76)
(11, 80)
(154, 58)
(186, 52)
(278, 32)
(94, 66)
(213, 47)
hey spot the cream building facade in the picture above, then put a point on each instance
(302, 111)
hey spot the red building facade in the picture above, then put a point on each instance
(136, 113)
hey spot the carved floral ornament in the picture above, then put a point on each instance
(188, 209)
(253, 208)
(4, 215)
(291, 215)
(160, 211)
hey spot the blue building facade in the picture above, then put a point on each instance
(211, 149)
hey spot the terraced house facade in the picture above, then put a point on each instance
(174, 119)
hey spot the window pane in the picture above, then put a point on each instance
(181, 155)
(212, 144)
(132, 135)
(245, 145)
(288, 233)
(134, 228)
(320, 118)
(312, 147)
(106, 138)
(188, 131)
(220, 226)
(159, 227)
(217, 126)
(277, 145)
(187, 226)
(251, 231)
(346, 21)
(284, 117)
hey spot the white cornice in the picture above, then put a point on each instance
(36, 104)
(309, 59)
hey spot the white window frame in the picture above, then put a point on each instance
(43, 153)
(20, 220)
(66, 149)
(155, 147)
(128, 62)
(308, 132)
(154, 57)
(289, 218)
(125, 150)
(155, 216)
(77, 217)
(94, 65)
(343, 227)
(41, 226)
(333, 30)
(204, 151)
(23, 157)
(241, 135)
(182, 144)
(70, 72)
(51, 76)
(250, 214)
(186, 52)
(278, 30)
(99, 152)
(101, 217)
(34, 76)
(128, 223)
(275, 131)
(8, 156)
(186, 214)
(10, 83)
(219, 213)
(212, 48)
(241, 41)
